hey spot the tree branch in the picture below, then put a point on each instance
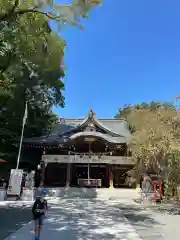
(48, 15)
(15, 6)
(12, 13)
(26, 11)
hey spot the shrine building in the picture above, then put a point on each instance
(87, 152)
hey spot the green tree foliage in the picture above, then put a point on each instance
(52, 10)
(154, 105)
(173, 173)
(128, 110)
(30, 71)
(155, 140)
(26, 39)
(32, 65)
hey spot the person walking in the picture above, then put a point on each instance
(39, 210)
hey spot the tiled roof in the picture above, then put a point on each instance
(117, 130)
(118, 126)
(45, 140)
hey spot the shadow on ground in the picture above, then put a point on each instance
(11, 219)
(91, 219)
(137, 216)
(169, 208)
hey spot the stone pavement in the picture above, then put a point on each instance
(82, 219)
(154, 222)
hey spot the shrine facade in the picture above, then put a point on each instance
(87, 152)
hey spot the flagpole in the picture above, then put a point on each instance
(22, 133)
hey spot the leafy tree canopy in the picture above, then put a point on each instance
(52, 10)
(154, 105)
(155, 139)
(31, 64)
(25, 40)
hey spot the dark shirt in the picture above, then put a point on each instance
(38, 206)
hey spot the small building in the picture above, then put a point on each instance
(82, 152)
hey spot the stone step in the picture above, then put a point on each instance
(92, 193)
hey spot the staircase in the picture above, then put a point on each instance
(98, 193)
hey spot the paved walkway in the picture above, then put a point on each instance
(82, 219)
(154, 222)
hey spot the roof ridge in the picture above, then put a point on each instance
(81, 119)
(114, 119)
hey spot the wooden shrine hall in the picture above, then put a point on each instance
(87, 152)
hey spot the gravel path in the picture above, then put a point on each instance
(154, 222)
(159, 222)
(82, 219)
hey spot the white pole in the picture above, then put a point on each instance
(20, 146)
(22, 133)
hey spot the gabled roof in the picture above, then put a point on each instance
(45, 140)
(115, 130)
(116, 127)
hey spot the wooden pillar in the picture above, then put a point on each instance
(43, 169)
(111, 177)
(68, 176)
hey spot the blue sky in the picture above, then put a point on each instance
(129, 52)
